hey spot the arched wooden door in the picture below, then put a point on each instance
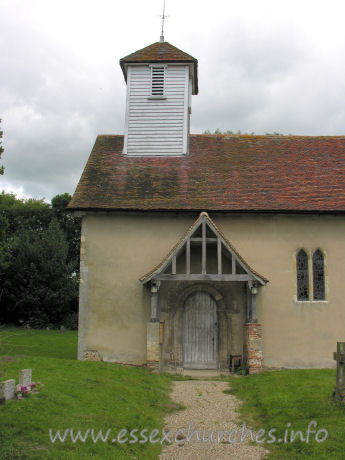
(200, 332)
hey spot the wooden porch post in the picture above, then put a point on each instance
(153, 355)
(154, 301)
(249, 304)
(252, 316)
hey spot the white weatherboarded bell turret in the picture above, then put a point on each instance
(160, 82)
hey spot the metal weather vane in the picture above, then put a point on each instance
(163, 16)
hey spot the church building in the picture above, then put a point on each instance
(203, 251)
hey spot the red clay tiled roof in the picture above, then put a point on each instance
(220, 173)
(160, 52)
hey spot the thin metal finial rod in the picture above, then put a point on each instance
(163, 19)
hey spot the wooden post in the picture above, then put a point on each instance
(188, 256)
(254, 311)
(203, 264)
(154, 301)
(252, 315)
(219, 255)
(339, 356)
(173, 266)
(249, 304)
(161, 332)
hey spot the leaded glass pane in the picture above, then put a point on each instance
(318, 276)
(302, 276)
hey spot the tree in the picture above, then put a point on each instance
(40, 288)
(218, 131)
(3, 222)
(70, 224)
(40, 262)
(1, 151)
(34, 213)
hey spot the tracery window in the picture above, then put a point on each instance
(318, 276)
(302, 276)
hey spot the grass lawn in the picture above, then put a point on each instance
(76, 395)
(274, 399)
(102, 396)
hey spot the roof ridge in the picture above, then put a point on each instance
(331, 136)
(322, 136)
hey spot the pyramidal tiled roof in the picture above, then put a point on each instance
(161, 52)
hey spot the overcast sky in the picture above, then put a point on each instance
(264, 66)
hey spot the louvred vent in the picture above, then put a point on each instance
(158, 81)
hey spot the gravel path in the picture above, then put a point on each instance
(209, 409)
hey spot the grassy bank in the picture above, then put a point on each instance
(274, 399)
(78, 395)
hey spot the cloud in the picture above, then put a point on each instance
(18, 191)
(54, 105)
(262, 68)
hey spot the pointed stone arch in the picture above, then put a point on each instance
(318, 263)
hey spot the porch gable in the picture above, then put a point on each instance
(203, 238)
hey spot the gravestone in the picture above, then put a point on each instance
(7, 389)
(25, 377)
(339, 356)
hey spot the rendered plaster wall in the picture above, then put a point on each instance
(117, 249)
(295, 334)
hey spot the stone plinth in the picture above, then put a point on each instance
(153, 347)
(252, 347)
